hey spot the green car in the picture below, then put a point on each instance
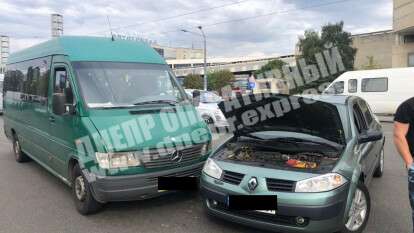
(106, 116)
(310, 158)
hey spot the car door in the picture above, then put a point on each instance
(62, 125)
(364, 150)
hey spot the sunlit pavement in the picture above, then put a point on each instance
(34, 201)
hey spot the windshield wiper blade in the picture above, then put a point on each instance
(169, 102)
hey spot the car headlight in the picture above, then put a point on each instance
(117, 160)
(212, 169)
(206, 148)
(321, 183)
(219, 115)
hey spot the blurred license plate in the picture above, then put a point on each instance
(267, 211)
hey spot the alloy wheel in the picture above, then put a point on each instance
(80, 190)
(358, 212)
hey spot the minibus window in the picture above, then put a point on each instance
(118, 84)
(336, 88)
(374, 85)
(62, 85)
(352, 85)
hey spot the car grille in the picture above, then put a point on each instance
(280, 185)
(232, 177)
(156, 159)
(192, 172)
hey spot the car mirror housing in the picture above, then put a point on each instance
(370, 136)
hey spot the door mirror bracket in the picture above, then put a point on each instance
(370, 136)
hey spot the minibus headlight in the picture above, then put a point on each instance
(117, 160)
(206, 148)
(321, 183)
(212, 169)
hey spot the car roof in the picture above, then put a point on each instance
(85, 48)
(332, 99)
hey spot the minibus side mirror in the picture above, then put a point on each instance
(196, 98)
(58, 104)
(370, 136)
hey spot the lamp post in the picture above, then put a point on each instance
(205, 52)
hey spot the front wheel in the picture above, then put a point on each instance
(19, 155)
(81, 190)
(359, 212)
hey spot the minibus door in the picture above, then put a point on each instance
(61, 118)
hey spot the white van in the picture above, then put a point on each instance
(383, 89)
(1, 93)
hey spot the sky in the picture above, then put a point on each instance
(233, 27)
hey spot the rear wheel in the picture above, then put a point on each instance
(19, 155)
(380, 168)
(359, 212)
(81, 190)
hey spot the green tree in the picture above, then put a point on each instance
(371, 65)
(219, 79)
(314, 42)
(193, 81)
(271, 65)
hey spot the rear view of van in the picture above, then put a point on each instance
(105, 116)
(383, 89)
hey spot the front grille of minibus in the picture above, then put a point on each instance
(232, 177)
(157, 159)
(280, 185)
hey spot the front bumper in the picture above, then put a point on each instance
(134, 187)
(318, 218)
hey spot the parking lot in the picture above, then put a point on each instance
(32, 200)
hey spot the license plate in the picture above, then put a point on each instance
(272, 212)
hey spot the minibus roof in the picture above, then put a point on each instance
(84, 48)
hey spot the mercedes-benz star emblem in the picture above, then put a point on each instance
(252, 184)
(177, 156)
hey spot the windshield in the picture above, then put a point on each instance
(116, 84)
(336, 88)
(210, 97)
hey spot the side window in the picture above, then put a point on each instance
(411, 60)
(352, 85)
(374, 85)
(366, 111)
(359, 119)
(62, 87)
(336, 88)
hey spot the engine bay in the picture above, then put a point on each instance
(267, 156)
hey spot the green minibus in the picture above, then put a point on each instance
(104, 115)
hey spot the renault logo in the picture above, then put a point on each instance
(177, 156)
(252, 184)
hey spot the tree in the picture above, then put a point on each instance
(193, 81)
(219, 79)
(314, 42)
(371, 65)
(276, 64)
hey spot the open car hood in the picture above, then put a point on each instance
(278, 112)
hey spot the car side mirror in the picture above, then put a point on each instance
(196, 98)
(58, 103)
(370, 136)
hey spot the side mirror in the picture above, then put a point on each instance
(58, 104)
(370, 136)
(196, 98)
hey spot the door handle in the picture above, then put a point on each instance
(52, 119)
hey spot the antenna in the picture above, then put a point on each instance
(110, 28)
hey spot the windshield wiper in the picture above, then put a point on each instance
(169, 102)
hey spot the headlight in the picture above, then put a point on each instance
(321, 183)
(206, 148)
(212, 169)
(219, 115)
(117, 160)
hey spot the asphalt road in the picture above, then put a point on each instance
(32, 200)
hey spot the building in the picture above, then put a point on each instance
(178, 52)
(56, 25)
(4, 52)
(391, 48)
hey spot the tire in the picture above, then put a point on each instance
(379, 171)
(19, 155)
(208, 120)
(363, 192)
(81, 190)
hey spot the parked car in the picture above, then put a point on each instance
(96, 118)
(316, 160)
(383, 89)
(208, 108)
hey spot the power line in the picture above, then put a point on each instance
(179, 15)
